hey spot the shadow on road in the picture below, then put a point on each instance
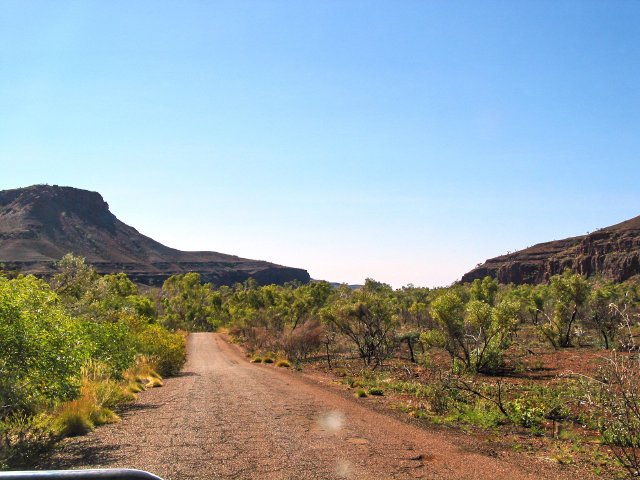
(80, 455)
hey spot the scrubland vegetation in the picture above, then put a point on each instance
(554, 366)
(71, 351)
(549, 368)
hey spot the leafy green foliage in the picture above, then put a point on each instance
(42, 347)
(166, 349)
(366, 317)
(484, 290)
(605, 319)
(74, 278)
(569, 293)
(50, 339)
(188, 304)
(475, 332)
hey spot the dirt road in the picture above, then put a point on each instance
(227, 418)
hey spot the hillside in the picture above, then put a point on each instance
(613, 252)
(41, 223)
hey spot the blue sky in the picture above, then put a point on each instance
(404, 141)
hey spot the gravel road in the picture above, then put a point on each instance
(226, 418)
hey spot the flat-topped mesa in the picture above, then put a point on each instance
(613, 252)
(41, 223)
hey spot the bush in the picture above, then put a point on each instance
(368, 319)
(376, 391)
(361, 393)
(166, 350)
(23, 437)
(569, 295)
(112, 344)
(283, 363)
(63, 357)
(299, 342)
(615, 396)
(42, 348)
(526, 413)
(475, 333)
(74, 418)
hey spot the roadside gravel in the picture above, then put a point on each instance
(226, 418)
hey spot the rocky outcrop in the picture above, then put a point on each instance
(613, 252)
(40, 224)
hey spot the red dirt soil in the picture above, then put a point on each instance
(227, 418)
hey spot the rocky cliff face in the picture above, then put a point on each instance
(40, 224)
(613, 252)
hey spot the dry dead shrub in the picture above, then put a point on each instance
(259, 339)
(615, 397)
(298, 343)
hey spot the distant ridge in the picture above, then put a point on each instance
(41, 223)
(613, 252)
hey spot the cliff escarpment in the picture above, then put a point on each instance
(40, 224)
(613, 252)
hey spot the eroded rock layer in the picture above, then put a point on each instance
(613, 252)
(40, 224)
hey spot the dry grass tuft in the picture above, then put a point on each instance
(154, 383)
(73, 418)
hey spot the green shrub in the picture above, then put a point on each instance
(480, 413)
(23, 437)
(283, 363)
(167, 349)
(268, 360)
(526, 413)
(477, 332)
(361, 393)
(376, 391)
(112, 344)
(42, 348)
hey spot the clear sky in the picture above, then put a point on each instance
(402, 140)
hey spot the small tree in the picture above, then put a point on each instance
(476, 333)
(368, 320)
(411, 339)
(74, 278)
(568, 297)
(615, 396)
(187, 303)
(484, 290)
(604, 319)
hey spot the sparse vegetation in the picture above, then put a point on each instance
(473, 354)
(615, 394)
(477, 354)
